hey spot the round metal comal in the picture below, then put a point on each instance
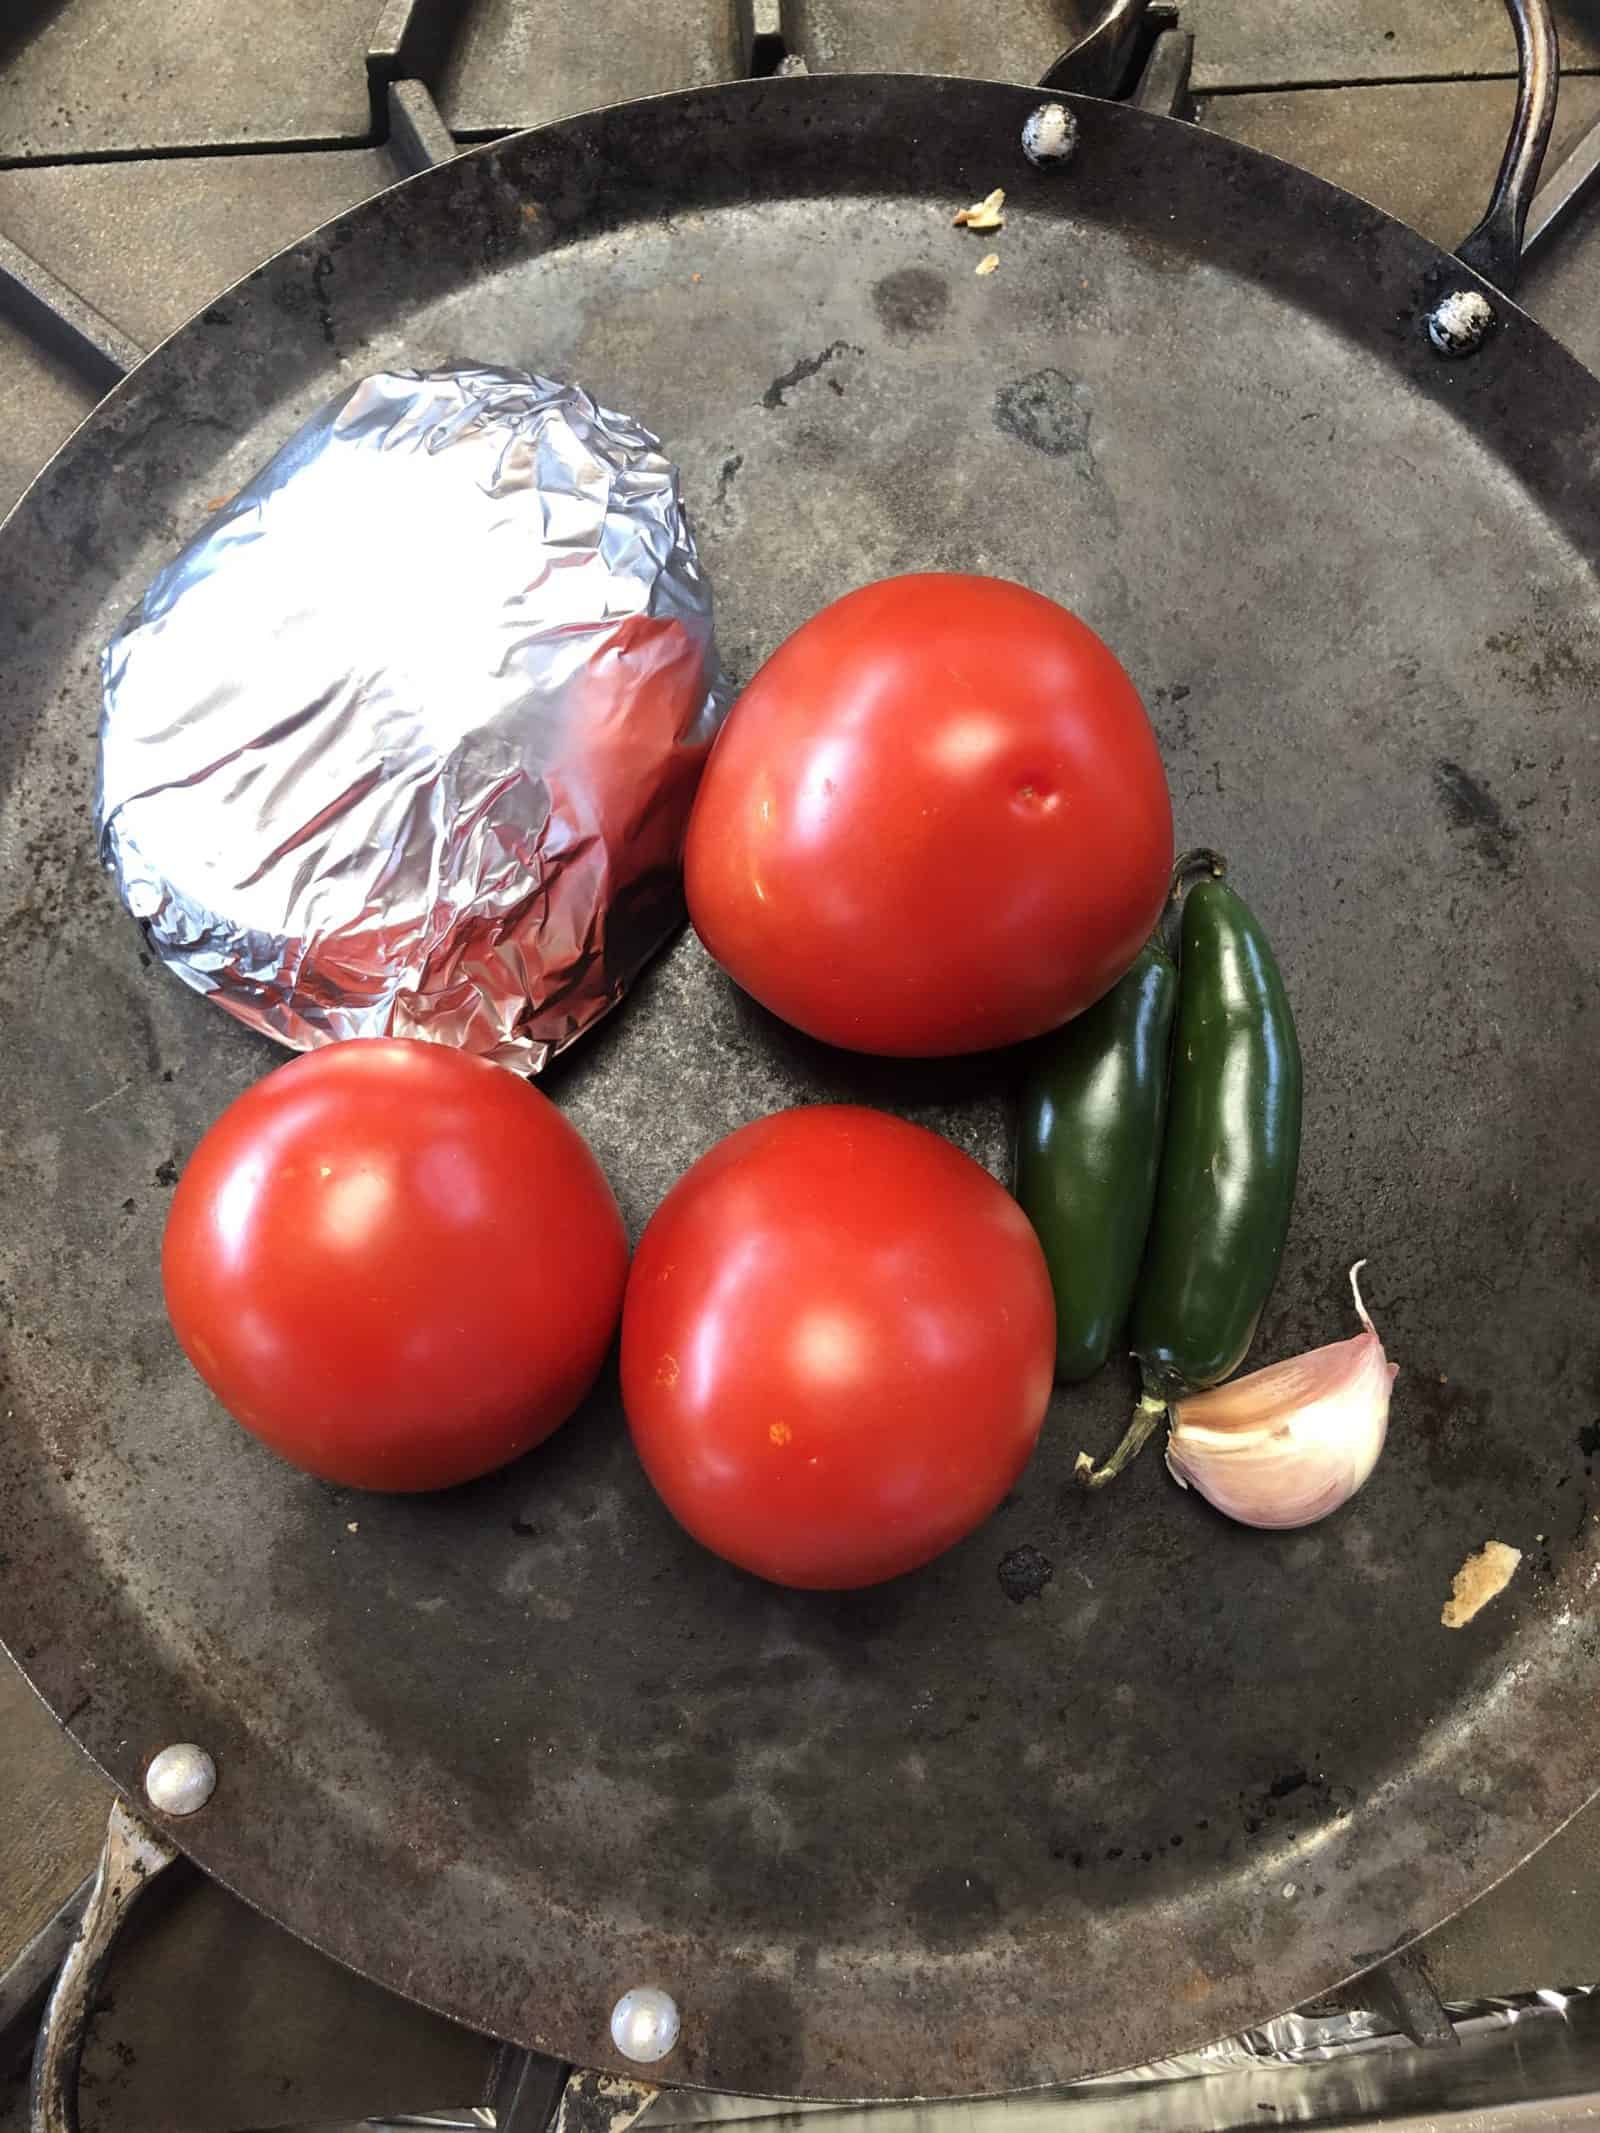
(522, 1748)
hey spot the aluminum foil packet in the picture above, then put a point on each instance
(404, 741)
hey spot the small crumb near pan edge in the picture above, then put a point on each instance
(1481, 1578)
(983, 214)
(987, 264)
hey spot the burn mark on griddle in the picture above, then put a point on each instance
(1048, 411)
(167, 1172)
(1589, 1440)
(1296, 1796)
(321, 275)
(1169, 707)
(1471, 807)
(1544, 656)
(1024, 1573)
(807, 367)
(1051, 413)
(730, 467)
(1455, 1427)
(913, 300)
(761, 2026)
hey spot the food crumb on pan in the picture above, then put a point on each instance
(354, 1526)
(1481, 1578)
(984, 214)
(988, 263)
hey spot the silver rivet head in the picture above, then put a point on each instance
(1049, 135)
(180, 1779)
(1460, 322)
(644, 2024)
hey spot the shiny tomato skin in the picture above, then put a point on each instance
(935, 822)
(837, 1347)
(395, 1264)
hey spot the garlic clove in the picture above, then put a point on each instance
(1286, 1445)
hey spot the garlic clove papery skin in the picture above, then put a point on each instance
(1288, 1444)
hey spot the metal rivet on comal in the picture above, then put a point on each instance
(1049, 135)
(645, 2024)
(180, 1779)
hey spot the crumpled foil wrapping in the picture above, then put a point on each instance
(1195, 2091)
(404, 741)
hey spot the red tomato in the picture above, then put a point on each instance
(837, 1347)
(395, 1264)
(936, 821)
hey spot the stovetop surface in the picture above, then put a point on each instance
(152, 153)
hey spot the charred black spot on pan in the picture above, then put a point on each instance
(1046, 410)
(1535, 658)
(1295, 1796)
(730, 467)
(1455, 1426)
(321, 275)
(1470, 806)
(167, 1172)
(1024, 1573)
(1176, 729)
(760, 2014)
(1051, 413)
(776, 394)
(1589, 1439)
(912, 300)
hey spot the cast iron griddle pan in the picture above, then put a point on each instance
(517, 1748)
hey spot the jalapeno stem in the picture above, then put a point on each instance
(1147, 1417)
(1202, 856)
